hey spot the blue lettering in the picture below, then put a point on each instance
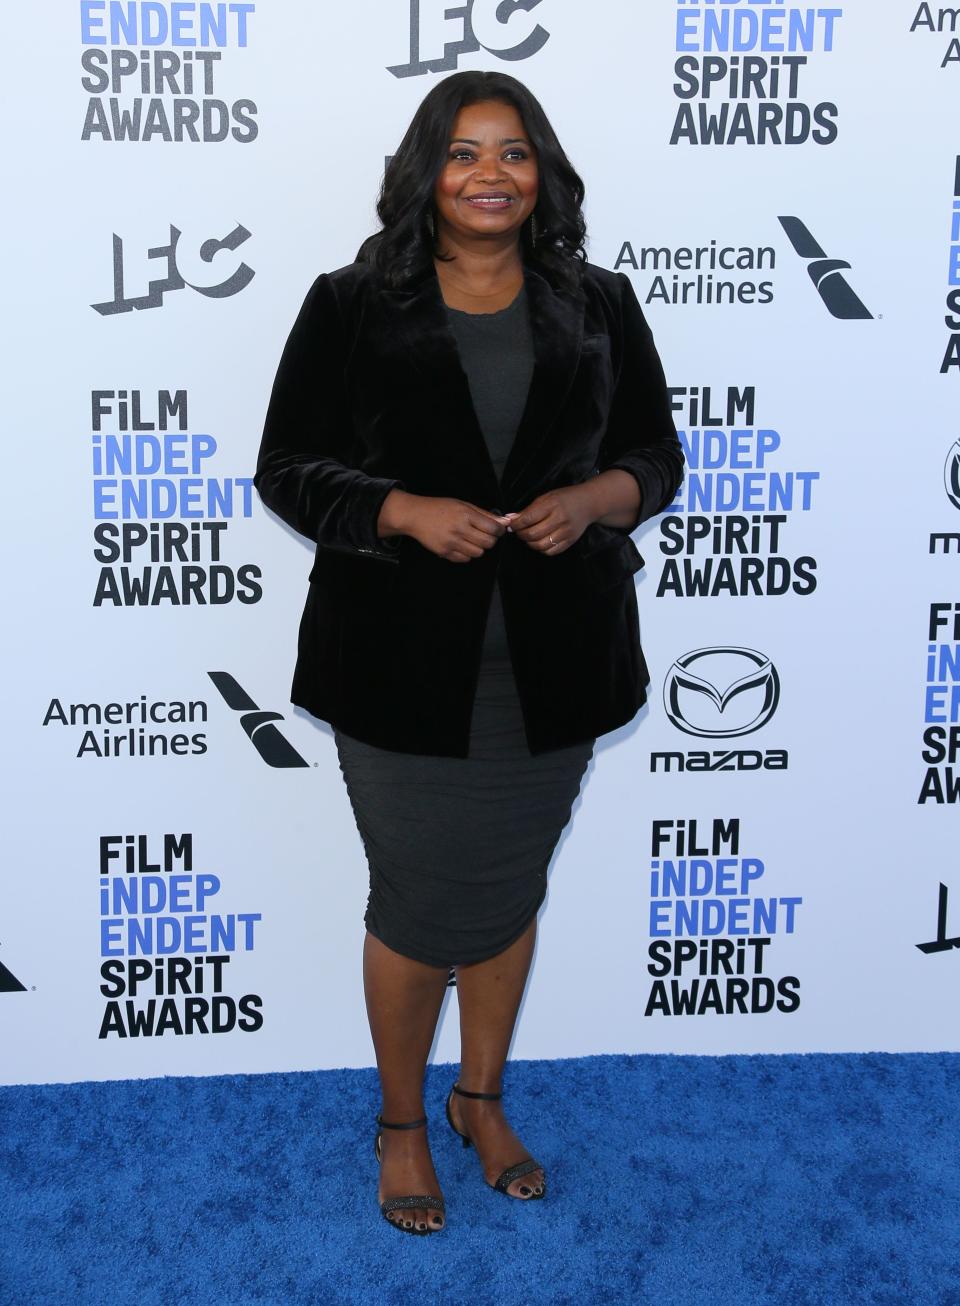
(193, 940)
(942, 705)
(774, 30)
(103, 499)
(765, 916)
(88, 22)
(111, 944)
(791, 904)
(207, 887)
(737, 909)
(189, 492)
(223, 934)
(753, 491)
(150, 22)
(659, 919)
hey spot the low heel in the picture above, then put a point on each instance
(513, 1172)
(463, 1137)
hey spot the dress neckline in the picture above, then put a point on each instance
(497, 312)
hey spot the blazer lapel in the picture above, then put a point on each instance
(419, 315)
(556, 322)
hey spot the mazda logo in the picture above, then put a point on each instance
(951, 474)
(721, 692)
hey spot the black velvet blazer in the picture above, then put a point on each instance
(370, 395)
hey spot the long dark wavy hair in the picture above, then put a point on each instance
(405, 247)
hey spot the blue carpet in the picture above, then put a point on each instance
(672, 1180)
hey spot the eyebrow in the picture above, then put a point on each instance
(504, 140)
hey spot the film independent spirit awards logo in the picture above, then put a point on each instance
(721, 692)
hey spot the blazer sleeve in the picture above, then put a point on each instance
(304, 469)
(641, 437)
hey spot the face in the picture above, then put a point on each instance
(489, 155)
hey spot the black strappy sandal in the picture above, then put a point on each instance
(426, 1201)
(512, 1172)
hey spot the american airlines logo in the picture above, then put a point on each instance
(825, 273)
(9, 982)
(943, 942)
(259, 726)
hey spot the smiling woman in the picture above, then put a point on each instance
(487, 189)
(468, 421)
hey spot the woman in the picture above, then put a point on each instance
(468, 421)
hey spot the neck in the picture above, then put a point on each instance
(480, 270)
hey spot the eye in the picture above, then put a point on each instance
(515, 151)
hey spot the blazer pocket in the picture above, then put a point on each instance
(611, 561)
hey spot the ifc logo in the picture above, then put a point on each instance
(951, 474)
(721, 692)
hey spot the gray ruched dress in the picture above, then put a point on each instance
(458, 848)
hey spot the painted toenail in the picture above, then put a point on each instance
(525, 1190)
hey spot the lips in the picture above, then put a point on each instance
(493, 200)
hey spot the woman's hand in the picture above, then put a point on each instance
(555, 520)
(450, 528)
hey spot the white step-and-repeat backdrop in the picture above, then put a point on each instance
(766, 859)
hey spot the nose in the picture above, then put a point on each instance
(488, 168)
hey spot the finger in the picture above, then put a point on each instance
(490, 526)
(533, 513)
(552, 543)
(543, 530)
(486, 515)
(553, 524)
(474, 535)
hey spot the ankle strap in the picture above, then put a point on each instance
(411, 1124)
(480, 1097)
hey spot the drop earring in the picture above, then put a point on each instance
(431, 227)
